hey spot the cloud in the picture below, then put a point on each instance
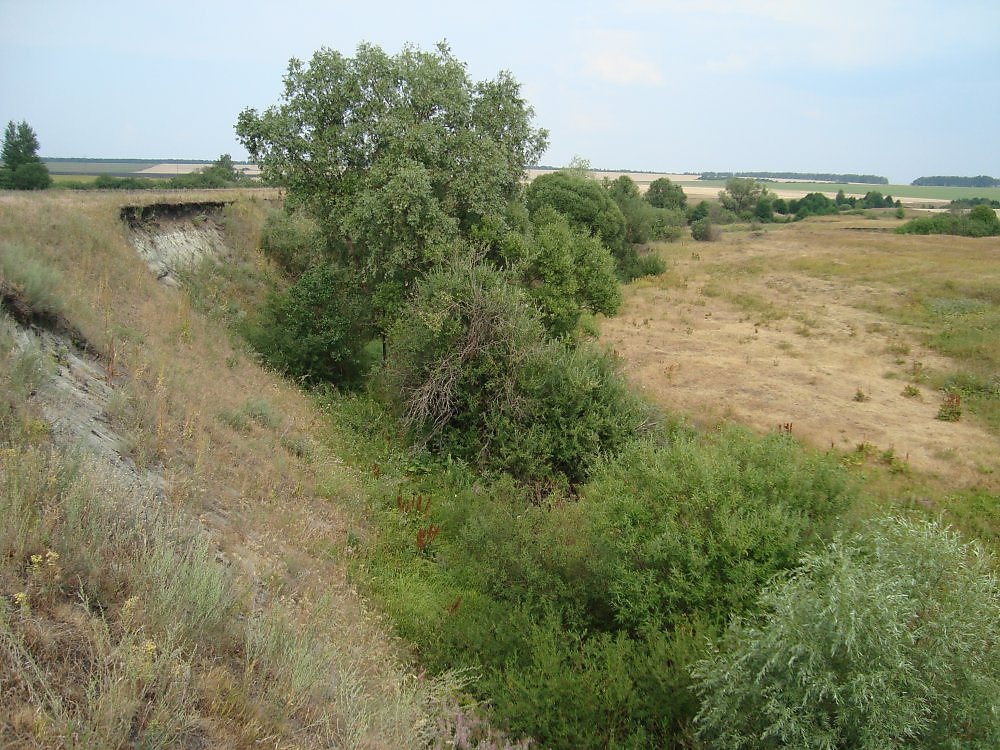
(617, 67)
(619, 57)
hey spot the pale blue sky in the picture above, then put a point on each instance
(901, 89)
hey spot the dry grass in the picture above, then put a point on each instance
(216, 609)
(787, 325)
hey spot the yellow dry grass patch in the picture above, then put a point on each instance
(790, 326)
(253, 490)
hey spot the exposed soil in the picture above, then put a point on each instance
(801, 352)
(170, 237)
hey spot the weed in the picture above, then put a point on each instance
(35, 282)
(951, 408)
(911, 391)
(860, 396)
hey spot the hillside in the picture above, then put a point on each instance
(175, 528)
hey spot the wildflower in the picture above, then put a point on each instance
(128, 610)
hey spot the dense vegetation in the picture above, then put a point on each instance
(538, 523)
(980, 221)
(802, 176)
(424, 244)
(867, 645)
(22, 168)
(952, 181)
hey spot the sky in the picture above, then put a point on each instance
(899, 89)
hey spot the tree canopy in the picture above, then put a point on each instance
(583, 201)
(663, 193)
(22, 168)
(741, 194)
(398, 157)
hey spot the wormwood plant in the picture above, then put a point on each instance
(887, 639)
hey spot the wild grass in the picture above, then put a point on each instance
(34, 280)
(208, 610)
(950, 300)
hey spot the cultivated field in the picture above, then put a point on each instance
(826, 325)
(698, 189)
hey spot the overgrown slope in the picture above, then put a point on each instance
(181, 585)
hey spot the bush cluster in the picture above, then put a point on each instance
(889, 638)
(314, 331)
(981, 221)
(473, 373)
(584, 616)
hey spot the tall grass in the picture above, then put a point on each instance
(191, 612)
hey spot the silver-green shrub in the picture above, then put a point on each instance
(888, 639)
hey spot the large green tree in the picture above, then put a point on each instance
(400, 158)
(22, 168)
(663, 193)
(741, 194)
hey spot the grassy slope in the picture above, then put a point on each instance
(98, 636)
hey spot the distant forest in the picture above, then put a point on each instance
(868, 179)
(978, 182)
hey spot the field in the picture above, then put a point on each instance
(697, 189)
(798, 189)
(835, 327)
(81, 168)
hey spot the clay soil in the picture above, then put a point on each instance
(798, 326)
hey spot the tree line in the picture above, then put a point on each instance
(801, 176)
(981, 181)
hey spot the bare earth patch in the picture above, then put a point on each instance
(733, 331)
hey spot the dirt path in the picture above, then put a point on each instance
(718, 338)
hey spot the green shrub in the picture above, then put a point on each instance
(582, 201)
(698, 211)
(887, 639)
(602, 691)
(700, 526)
(567, 272)
(814, 204)
(316, 330)
(31, 176)
(110, 182)
(291, 239)
(650, 263)
(981, 221)
(473, 374)
(704, 230)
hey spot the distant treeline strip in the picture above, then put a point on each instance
(87, 160)
(868, 179)
(950, 181)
